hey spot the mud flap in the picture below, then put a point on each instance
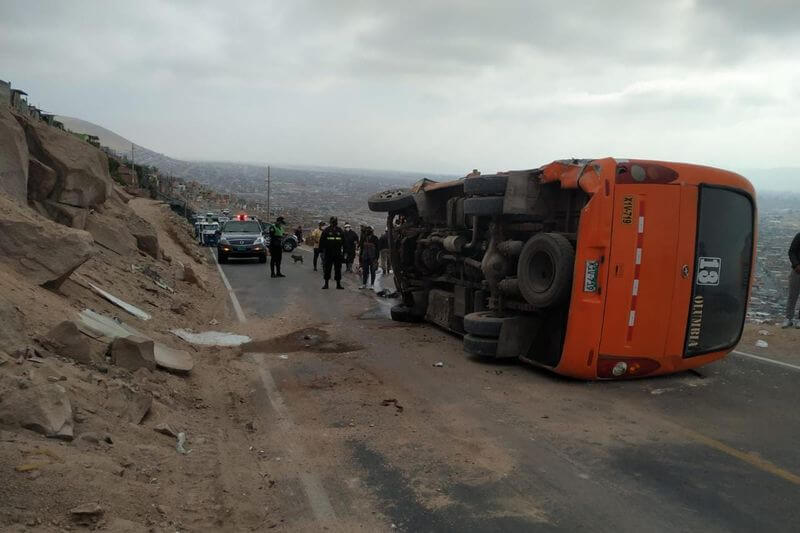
(517, 336)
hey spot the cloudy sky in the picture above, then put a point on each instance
(426, 85)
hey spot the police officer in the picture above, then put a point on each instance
(331, 244)
(276, 233)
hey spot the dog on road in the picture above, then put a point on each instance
(297, 258)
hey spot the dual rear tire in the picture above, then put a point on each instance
(483, 332)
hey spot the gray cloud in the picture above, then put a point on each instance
(444, 85)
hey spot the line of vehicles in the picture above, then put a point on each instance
(241, 236)
(593, 268)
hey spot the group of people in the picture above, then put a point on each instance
(336, 246)
(340, 246)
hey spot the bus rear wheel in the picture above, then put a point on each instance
(545, 270)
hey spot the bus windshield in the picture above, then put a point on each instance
(723, 260)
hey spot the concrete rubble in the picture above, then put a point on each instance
(67, 340)
(133, 353)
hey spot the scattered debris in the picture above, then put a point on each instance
(102, 327)
(211, 338)
(213, 322)
(86, 512)
(392, 401)
(153, 275)
(37, 459)
(283, 356)
(763, 332)
(438, 364)
(133, 353)
(133, 310)
(180, 445)
(762, 344)
(166, 429)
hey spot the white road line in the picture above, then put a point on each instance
(235, 301)
(767, 360)
(317, 497)
(312, 485)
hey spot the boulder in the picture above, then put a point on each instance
(13, 158)
(83, 179)
(41, 180)
(189, 276)
(128, 403)
(66, 340)
(42, 408)
(145, 235)
(133, 353)
(111, 233)
(64, 214)
(38, 249)
(148, 243)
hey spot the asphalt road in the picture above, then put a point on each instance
(477, 446)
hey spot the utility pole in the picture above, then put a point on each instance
(133, 167)
(269, 215)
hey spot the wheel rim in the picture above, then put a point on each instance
(542, 270)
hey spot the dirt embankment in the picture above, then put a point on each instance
(90, 426)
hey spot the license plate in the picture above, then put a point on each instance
(241, 248)
(590, 276)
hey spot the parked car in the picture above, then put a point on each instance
(597, 269)
(241, 238)
(208, 233)
(289, 242)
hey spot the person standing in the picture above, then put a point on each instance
(313, 241)
(794, 283)
(368, 257)
(298, 232)
(350, 242)
(331, 244)
(276, 233)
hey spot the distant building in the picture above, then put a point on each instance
(5, 93)
(18, 101)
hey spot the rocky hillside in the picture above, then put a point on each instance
(95, 395)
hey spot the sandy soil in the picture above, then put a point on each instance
(134, 473)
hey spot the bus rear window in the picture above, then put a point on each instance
(723, 260)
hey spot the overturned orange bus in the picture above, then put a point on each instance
(596, 269)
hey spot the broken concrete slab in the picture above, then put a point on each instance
(102, 327)
(133, 310)
(67, 340)
(133, 352)
(211, 338)
(128, 403)
(45, 409)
